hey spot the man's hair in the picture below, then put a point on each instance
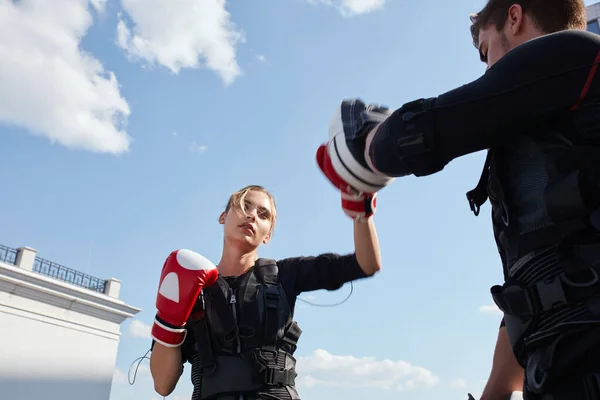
(548, 15)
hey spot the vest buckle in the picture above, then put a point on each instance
(276, 377)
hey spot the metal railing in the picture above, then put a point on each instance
(68, 275)
(8, 255)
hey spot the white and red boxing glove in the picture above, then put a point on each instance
(184, 274)
(357, 205)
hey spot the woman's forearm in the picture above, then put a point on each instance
(165, 367)
(366, 246)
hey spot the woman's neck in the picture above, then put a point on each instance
(234, 262)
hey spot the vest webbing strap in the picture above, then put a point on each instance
(203, 345)
(575, 284)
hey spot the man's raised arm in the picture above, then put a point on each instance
(531, 84)
(507, 375)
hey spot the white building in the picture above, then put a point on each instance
(593, 15)
(59, 330)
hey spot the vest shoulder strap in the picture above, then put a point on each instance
(267, 271)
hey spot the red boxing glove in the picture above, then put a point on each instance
(183, 276)
(358, 206)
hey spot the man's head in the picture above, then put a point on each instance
(503, 25)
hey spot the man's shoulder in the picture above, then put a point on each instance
(580, 39)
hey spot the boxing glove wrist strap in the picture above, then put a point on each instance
(359, 207)
(167, 334)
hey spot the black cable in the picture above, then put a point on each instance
(330, 305)
(139, 359)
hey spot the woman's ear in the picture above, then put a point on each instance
(266, 239)
(222, 218)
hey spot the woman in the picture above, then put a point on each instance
(240, 335)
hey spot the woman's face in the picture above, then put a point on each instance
(252, 229)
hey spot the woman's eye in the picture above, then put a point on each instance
(264, 214)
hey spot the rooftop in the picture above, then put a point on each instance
(27, 258)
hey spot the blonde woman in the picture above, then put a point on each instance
(233, 322)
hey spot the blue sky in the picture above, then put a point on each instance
(124, 128)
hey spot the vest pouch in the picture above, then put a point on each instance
(291, 337)
(233, 375)
(275, 367)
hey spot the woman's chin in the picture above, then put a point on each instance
(245, 243)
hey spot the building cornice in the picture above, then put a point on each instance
(20, 282)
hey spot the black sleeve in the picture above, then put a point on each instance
(326, 271)
(526, 88)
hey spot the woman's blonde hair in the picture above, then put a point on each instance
(236, 201)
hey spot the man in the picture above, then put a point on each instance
(537, 111)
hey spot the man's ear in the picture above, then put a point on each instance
(514, 18)
(222, 218)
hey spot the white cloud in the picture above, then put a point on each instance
(308, 297)
(261, 58)
(139, 329)
(352, 8)
(491, 309)
(459, 383)
(177, 34)
(99, 5)
(119, 376)
(49, 85)
(196, 148)
(350, 371)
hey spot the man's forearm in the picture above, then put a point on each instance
(507, 375)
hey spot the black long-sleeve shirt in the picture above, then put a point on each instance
(521, 92)
(296, 275)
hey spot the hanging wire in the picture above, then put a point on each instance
(330, 305)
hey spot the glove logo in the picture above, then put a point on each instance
(169, 288)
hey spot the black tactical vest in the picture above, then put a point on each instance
(544, 192)
(242, 349)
